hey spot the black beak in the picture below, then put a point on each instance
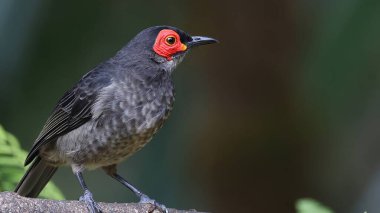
(201, 40)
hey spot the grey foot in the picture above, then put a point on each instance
(92, 206)
(146, 199)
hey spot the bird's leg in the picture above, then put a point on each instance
(87, 195)
(111, 171)
(143, 197)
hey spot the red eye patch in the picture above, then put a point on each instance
(168, 43)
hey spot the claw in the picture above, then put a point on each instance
(92, 206)
(146, 199)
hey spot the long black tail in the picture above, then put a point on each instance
(35, 179)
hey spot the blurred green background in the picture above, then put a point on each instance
(286, 106)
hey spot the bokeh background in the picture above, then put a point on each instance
(286, 106)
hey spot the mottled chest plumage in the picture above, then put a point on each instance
(135, 104)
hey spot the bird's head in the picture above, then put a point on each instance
(165, 45)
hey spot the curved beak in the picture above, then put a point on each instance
(201, 40)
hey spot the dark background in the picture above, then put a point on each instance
(286, 106)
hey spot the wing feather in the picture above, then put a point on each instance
(72, 110)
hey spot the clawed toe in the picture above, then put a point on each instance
(92, 206)
(146, 199)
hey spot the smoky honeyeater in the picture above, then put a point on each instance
(111, 113)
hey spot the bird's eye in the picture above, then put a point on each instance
(170, 40)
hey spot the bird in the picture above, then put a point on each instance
(113, 111)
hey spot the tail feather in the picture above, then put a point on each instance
(35, 179)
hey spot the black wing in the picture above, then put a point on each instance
(72, 110)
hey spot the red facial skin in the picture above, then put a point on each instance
(165, 49)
